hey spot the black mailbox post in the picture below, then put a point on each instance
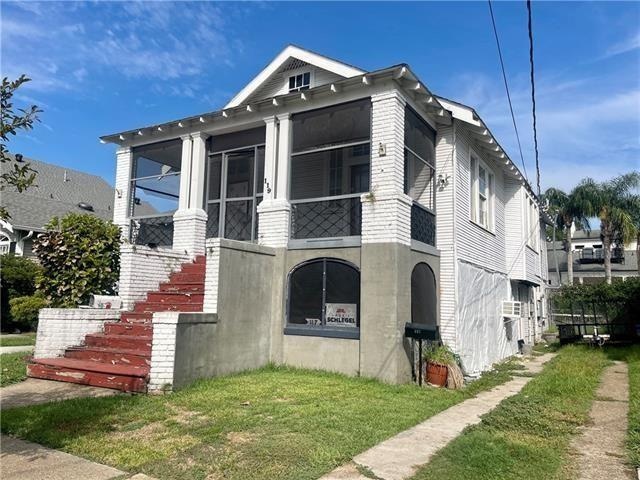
(420, 332)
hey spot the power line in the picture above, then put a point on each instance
(533, 97)
(506, 86)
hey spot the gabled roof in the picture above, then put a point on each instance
(56, 192)
(305, 57)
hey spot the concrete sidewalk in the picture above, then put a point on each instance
(20, 460)
(34, 391)
(21, 348)
(399, 457)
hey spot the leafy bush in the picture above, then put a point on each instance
(80, 256)
(24, 310)
(17, 279)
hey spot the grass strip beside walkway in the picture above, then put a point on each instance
(270, 423)
(528, 435)
(24, 339)
(13, 368)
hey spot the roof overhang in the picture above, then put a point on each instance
(402, 75)
(486, 141)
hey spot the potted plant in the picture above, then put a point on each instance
(438, 360)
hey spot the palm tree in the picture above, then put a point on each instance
(569, 211)
(615, 204)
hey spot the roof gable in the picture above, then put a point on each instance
(271, 80)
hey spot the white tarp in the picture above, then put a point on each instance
(484, 336)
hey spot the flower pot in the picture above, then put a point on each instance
(437, 374)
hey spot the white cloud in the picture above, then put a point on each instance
(627, 45)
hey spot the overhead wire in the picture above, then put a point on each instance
(533, 96)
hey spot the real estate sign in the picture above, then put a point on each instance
(341, 315)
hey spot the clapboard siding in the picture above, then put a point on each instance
(277, 83)
(473, 243)
(445, 234)
(514, 234)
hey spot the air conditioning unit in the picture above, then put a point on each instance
(511, 309)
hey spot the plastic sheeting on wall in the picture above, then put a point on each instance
(484, 336)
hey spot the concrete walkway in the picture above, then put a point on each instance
(600, 448)
(399, 457)
(20, 460)
(34, 391)
(21, 348)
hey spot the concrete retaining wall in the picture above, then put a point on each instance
(61, 328)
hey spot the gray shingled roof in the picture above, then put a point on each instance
(58, 192)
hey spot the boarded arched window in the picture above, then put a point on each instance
(424, 305)
(324, 294)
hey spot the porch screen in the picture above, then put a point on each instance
(324, 294)
(419, 159)
(156, 178)
(330, 168)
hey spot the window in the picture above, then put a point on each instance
(156, 178)
(482, 191)
(330, 169)
(235, 181)
(324, 296)
(299, 82)
(419, 155)
(532, 223)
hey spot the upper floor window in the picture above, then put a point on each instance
(532, 223)
(300, 82)
(419, 163)
(482, 192)
(155, 181)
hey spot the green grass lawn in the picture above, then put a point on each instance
(270, 423)
(23, 339)
(13, 368)
(527, 435)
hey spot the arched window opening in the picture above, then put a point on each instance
(324, 295)
(423, 296)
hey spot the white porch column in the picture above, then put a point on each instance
(274, 212)
(123, 196)
(190, 220)
(386, 211)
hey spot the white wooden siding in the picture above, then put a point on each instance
(445, 234)
(514, 233)
(474, 244)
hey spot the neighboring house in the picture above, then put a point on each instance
(325, 207)
(56, 192)
(588, 259)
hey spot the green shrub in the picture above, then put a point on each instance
(80, 256)
(24, 311)
(17, 279)
(439, 354)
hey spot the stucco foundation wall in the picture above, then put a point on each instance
(333, 354)
(61, 328)
(142, 269)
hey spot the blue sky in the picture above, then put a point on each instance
(104, 67)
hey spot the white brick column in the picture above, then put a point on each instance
(274, 212)
(190, 220)
(386, 211)
(123, 196)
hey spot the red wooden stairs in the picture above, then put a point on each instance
(120, 357)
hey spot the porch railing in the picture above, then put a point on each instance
(154, 231)
(423, 224)
(339, 216)
(596, 255)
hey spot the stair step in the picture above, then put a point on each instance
(198, 268)
(130, 342)
(174, 297)
(124, 328)
(115, 356)
(167, 307)
(180, 277)
(118, 377)
(182, 287)
(136, 317)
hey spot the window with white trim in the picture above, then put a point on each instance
(299, 82)
(482, 191)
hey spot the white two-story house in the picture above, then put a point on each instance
(305, 223)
